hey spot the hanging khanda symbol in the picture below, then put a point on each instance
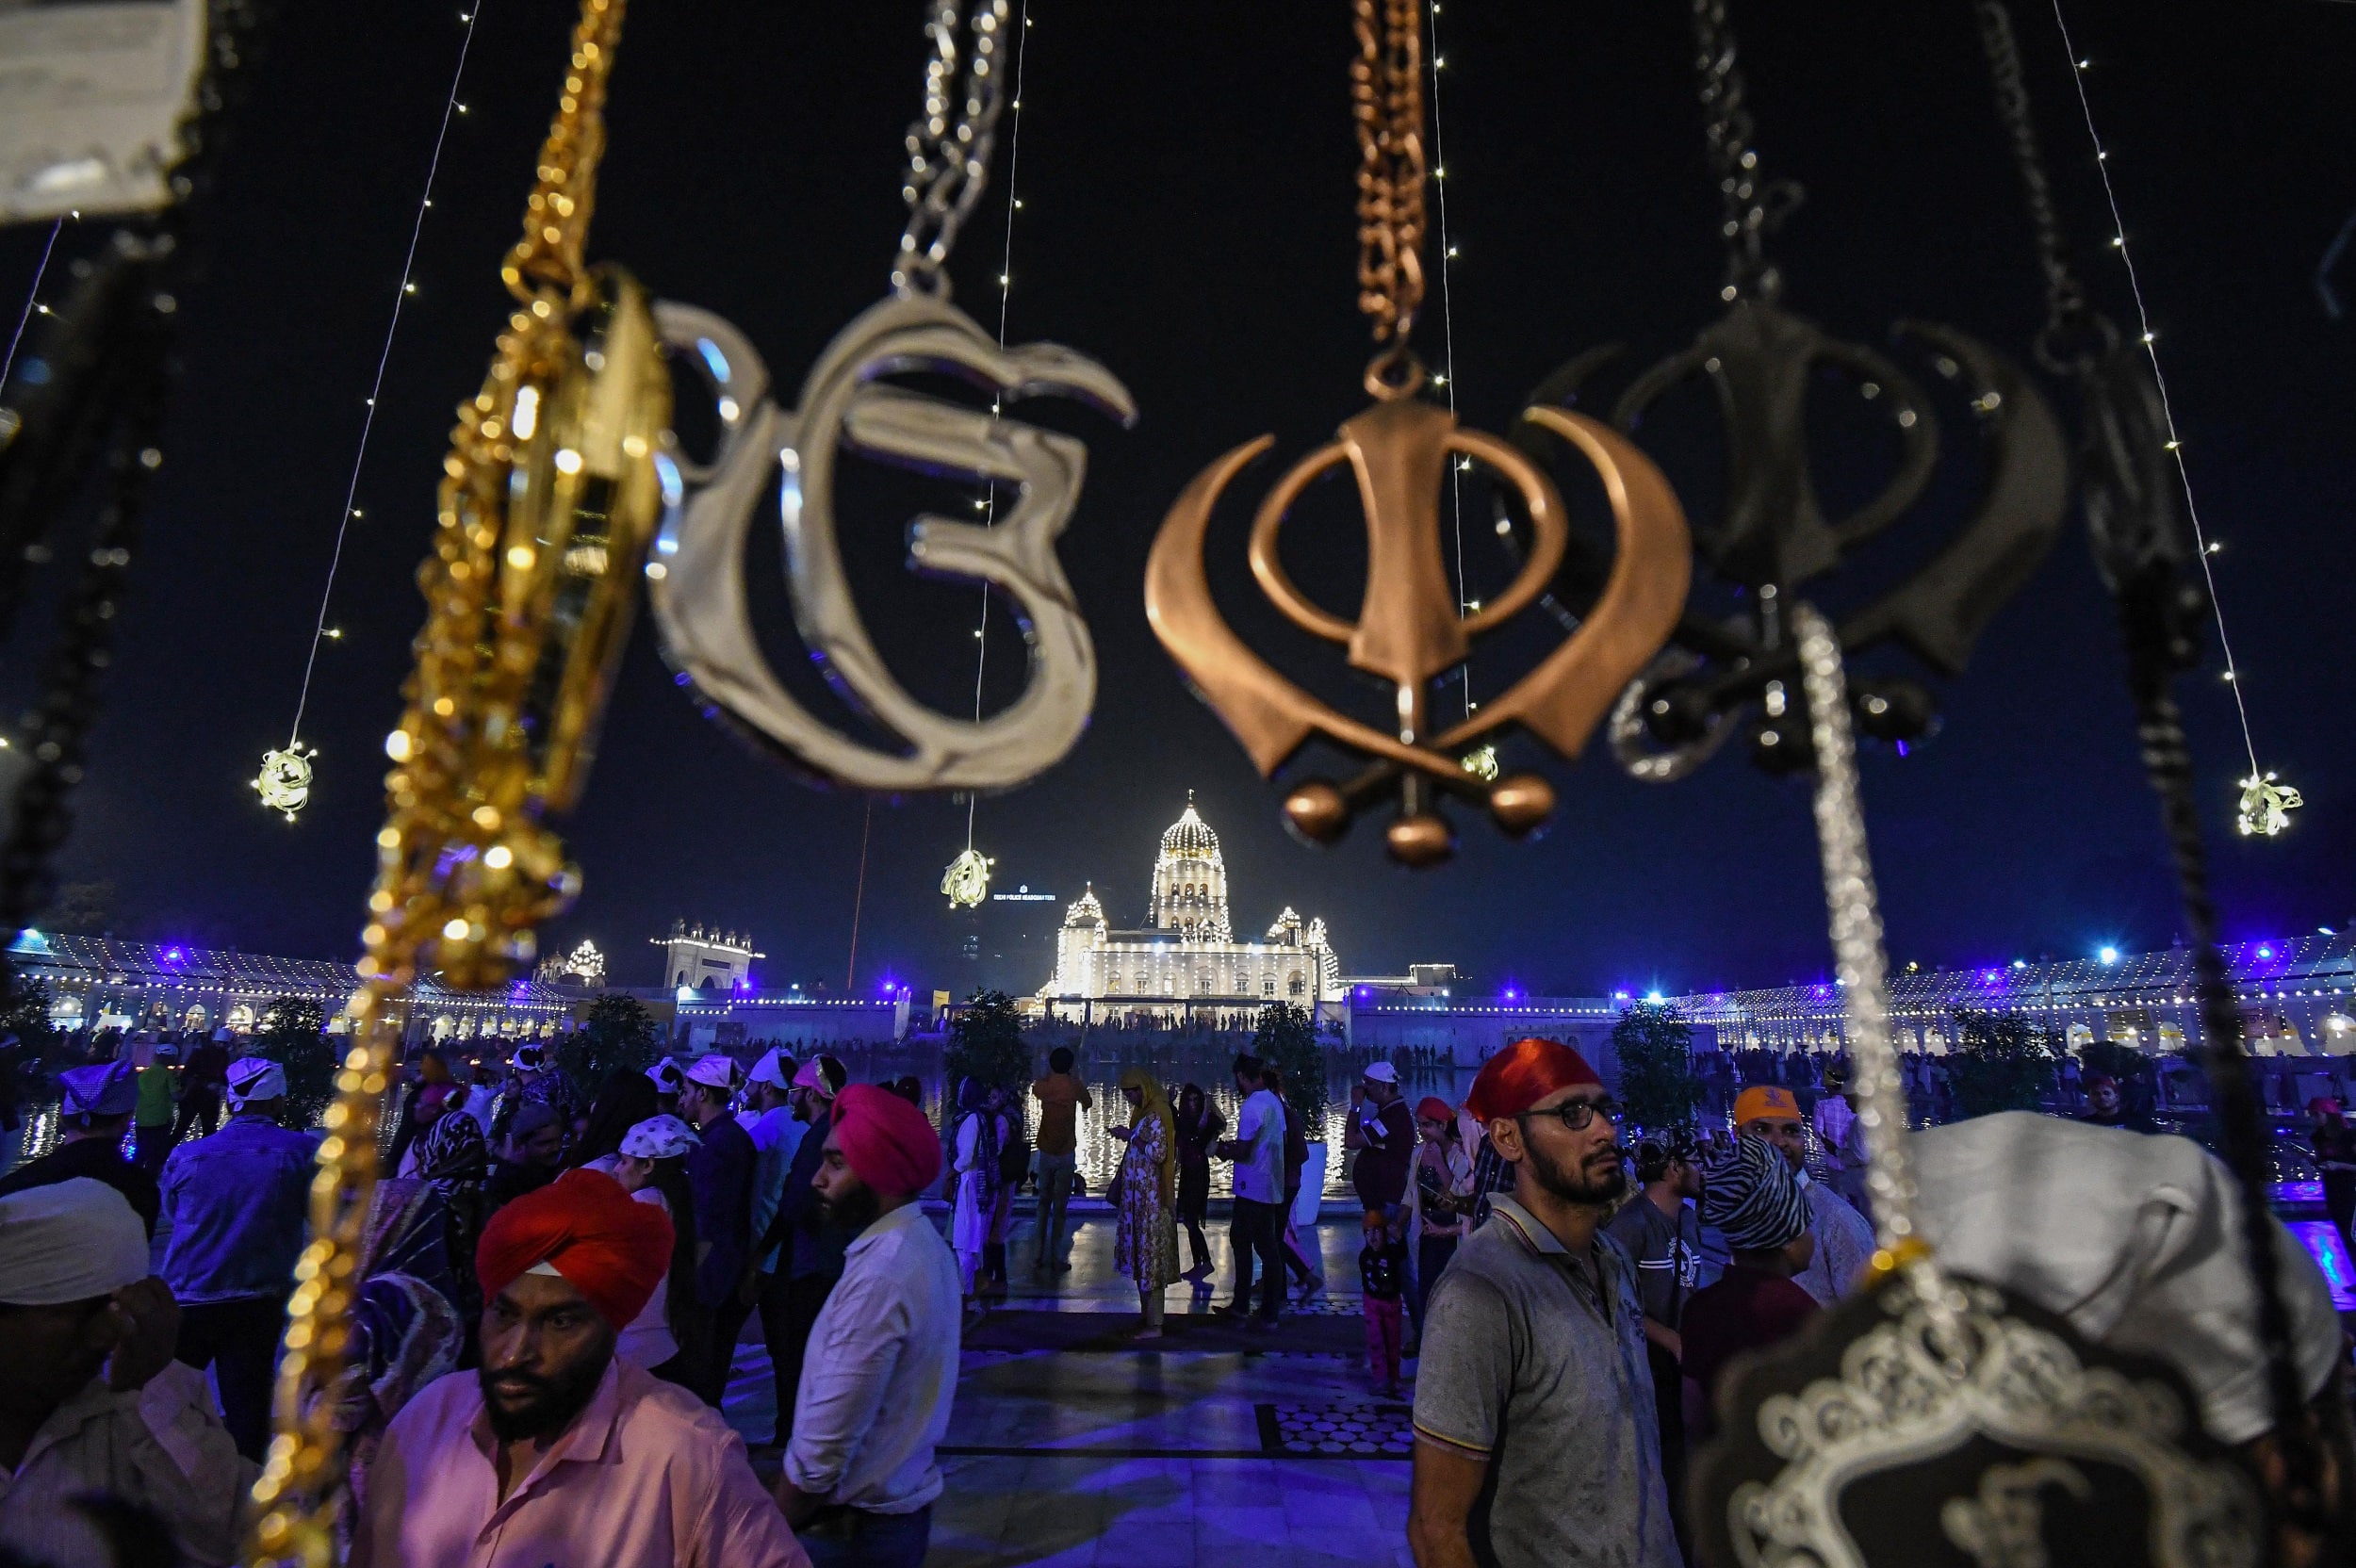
(696, 576)
(285, 781)
(1409, 629)
(1412, 625)
(1773, 534)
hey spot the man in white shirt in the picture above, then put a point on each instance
(881, 1368)
(1258, 1152)
(777, 1136)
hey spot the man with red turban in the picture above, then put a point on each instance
(881, 1368)
(1535, 1435)
(553, 1450)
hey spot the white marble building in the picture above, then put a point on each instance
(1187, 951)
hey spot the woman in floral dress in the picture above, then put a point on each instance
(1145, 1248)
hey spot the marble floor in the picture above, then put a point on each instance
(1253, 1450)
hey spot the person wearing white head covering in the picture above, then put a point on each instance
(90, 1399)
(653, 1165)
(2136, 1238)
(94, 1109)
(238, 1202)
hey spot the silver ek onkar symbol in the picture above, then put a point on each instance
(696, 579)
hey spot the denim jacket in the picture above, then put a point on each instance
(237, 1202)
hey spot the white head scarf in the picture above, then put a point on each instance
(659, 1137)
(254, 1078)
(68, 1242)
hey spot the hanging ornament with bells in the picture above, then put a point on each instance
(966, 883)
(548, 497)
(1410, 628)
(285, 781)
(696, 579)
(1773, 534)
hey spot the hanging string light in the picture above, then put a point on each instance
(32, 299)
(2265, 801)
(1481, 762)
(966, 882)
(285, 782)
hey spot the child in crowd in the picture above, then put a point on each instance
(1382, 1282)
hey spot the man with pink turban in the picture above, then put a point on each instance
(881, 1368)
(1536, 1442)
(553, 1450)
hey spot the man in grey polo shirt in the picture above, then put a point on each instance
(1535, 1445)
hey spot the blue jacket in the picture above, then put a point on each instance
(238, 1202)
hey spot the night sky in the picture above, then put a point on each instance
(1185, 175)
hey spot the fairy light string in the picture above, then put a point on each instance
(2264, 800)
(1446, 378)
(988, 503)
(451, 107)
(32, 299)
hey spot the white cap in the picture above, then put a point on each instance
(666, 1075)
(68, 1242)
(254, 1078)
(528, 1059)
(717, 1071)
(1381, 1073)
(659, 1137)
(771, 1070)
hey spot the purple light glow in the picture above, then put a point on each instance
(2266, 951)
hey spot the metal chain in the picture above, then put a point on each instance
(2065, 296)
(1750, 208)
(113, 365)
(949, 158)
(546, 269)
(1386, 100)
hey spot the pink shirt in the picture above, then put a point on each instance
(646, 1478)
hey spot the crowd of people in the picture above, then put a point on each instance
(550, 1295)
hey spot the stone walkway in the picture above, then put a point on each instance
(1070, 1447)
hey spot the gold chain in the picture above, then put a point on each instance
(465, 869)
(1386, 99)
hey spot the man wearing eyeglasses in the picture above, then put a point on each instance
(1535, 1436)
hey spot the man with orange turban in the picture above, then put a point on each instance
(1535, 1434)
(553, 1450)
(881, 1368)
(1844, 1238)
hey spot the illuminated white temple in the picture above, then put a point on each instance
(1187, 951)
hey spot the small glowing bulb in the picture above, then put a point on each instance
(2172, 446)
(396, 745)
(568, 461)
(2229, 674)
(2215, 547)
(409, 288)
(498, 856)
(334, 632)
(2148, 338)
(456, 929)
(2118, 242)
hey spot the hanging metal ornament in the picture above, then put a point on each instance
(89, 395)
(548, 497)
(285, 781)
(1410, 628)
(1774, 534)
(966, 883)
(1928, 1418)
(2139, 522)
(2266, 804)
(697, 579)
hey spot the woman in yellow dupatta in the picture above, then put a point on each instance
(1145, 1246)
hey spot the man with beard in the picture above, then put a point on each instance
(1844, 1238)
(881, 1368)
(1535, 1439)
(553, 1451)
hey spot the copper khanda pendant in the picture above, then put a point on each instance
(1409, 629)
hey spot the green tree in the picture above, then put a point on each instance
(1654, 1044)
(293, 1034)
(986, 1044)
(619, 1032)
(1288, 1041)
(2001, 1063)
